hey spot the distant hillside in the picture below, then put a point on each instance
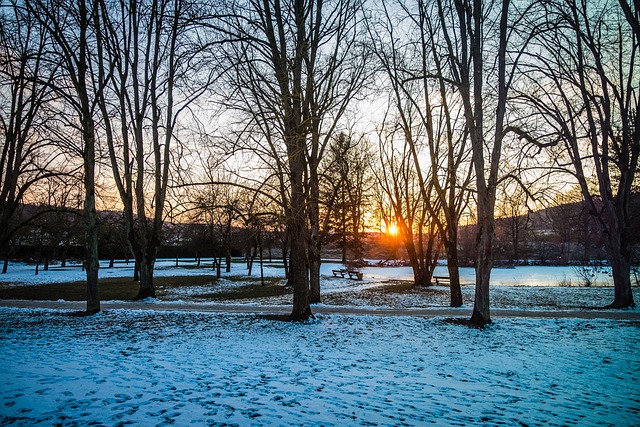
(557, 235)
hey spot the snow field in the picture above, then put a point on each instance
(21, 273)
(532, 288)
(151, 368)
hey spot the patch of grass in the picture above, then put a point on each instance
(565, 281)
(243, 278)
(249, 291)
(203, 266)
(121, 288)
(240, 278)
(183, 281)
(396, 286)
(407, 287)
(124, 288)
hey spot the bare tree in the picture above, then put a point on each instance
(582, 79)
(293, 77)
(405, 189)
(218, 206)
(468, 27)
(336, 75)
(268, 86)
(411, 49)
(28, 156)
(69, 27)
(149, 62)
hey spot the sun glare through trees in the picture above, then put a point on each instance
(392, 230)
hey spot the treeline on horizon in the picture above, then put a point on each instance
(561, 235)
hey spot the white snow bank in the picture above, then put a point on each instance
(22, 273)
(144, 368)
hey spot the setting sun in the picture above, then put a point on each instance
(392, 229)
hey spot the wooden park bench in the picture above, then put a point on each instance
(355, 275)
(339, 272)
(439, 279)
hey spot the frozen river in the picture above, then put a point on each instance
(518, 276)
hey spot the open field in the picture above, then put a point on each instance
(141, 367)
(379, 352)
(536, 288)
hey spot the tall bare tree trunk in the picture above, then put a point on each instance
(484, 262)
(296, 48)
(91, 218)
(474, 113)
(620, 258)
(453, 266)
(621, 271)
(92, 263)
(298, 271)
(314, 277)
(68, 25)
(315, 239)
(147, 289)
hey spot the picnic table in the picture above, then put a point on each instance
(439, 279)
(353, 274)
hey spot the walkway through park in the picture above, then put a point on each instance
(324, 309)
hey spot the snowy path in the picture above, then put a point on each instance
(324, 309)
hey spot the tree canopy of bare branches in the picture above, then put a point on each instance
(26, 117)
(69, 26)
(151, 64)
(582, 81)
(295, 69)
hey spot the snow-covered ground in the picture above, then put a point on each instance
(151, 368)
(176, 368)
(537, 288)
(21, 273)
